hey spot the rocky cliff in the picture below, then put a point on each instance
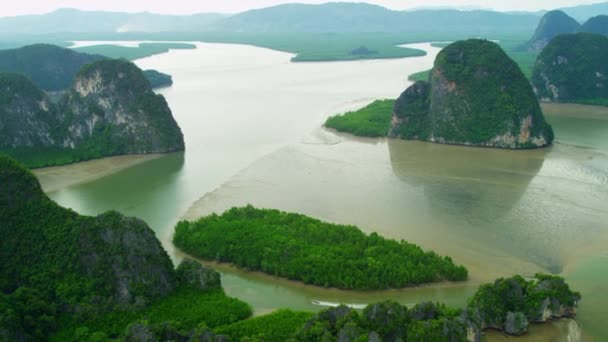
(511, 304)
(552, 24)
(109, 110)
(477, 96)
(573, 68)
(111, 103)
(26, 113)
(598, 25)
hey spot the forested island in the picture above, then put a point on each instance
(475, 96)
(301, 248)
(109, 110)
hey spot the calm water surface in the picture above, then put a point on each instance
(251, 121)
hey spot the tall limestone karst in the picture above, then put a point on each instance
(573, 68)
(109, 110)
(477, 96)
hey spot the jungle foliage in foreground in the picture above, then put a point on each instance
(302, 248)
(371, 121)
(87, 278)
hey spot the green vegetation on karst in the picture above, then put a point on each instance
(119, 115)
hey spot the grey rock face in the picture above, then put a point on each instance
(194, 274)
(516, 323)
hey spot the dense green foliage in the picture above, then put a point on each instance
(302, 248)
(411, 113)
(62, 270)
(158, 79)
(598, 25)
(573, 68)
(50, 67)
(61, 134)
(132, 53)
(185, 309)
(385, 321)
(278, 326)
(370, 121)
(552, 24)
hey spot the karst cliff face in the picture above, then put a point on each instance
(26, 113)
(112, 102)
(477, 96)
(109, 110)
(573, 68)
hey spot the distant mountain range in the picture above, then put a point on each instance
(299, 18)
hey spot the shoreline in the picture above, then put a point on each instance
(56, 178)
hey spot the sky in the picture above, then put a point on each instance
(21, 7)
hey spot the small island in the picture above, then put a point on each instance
(301, 248)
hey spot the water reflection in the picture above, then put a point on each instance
(476, 185)
(477, 192)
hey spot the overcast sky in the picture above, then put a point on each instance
(19, 7)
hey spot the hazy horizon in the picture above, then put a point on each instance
(185, 7)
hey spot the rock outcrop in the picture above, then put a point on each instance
(573, 68)
(27, 115)
(112, 103)
(477, 96)
(510, 305)
(597, 25)
(552, 24)
(110, 110)
(193, 274)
